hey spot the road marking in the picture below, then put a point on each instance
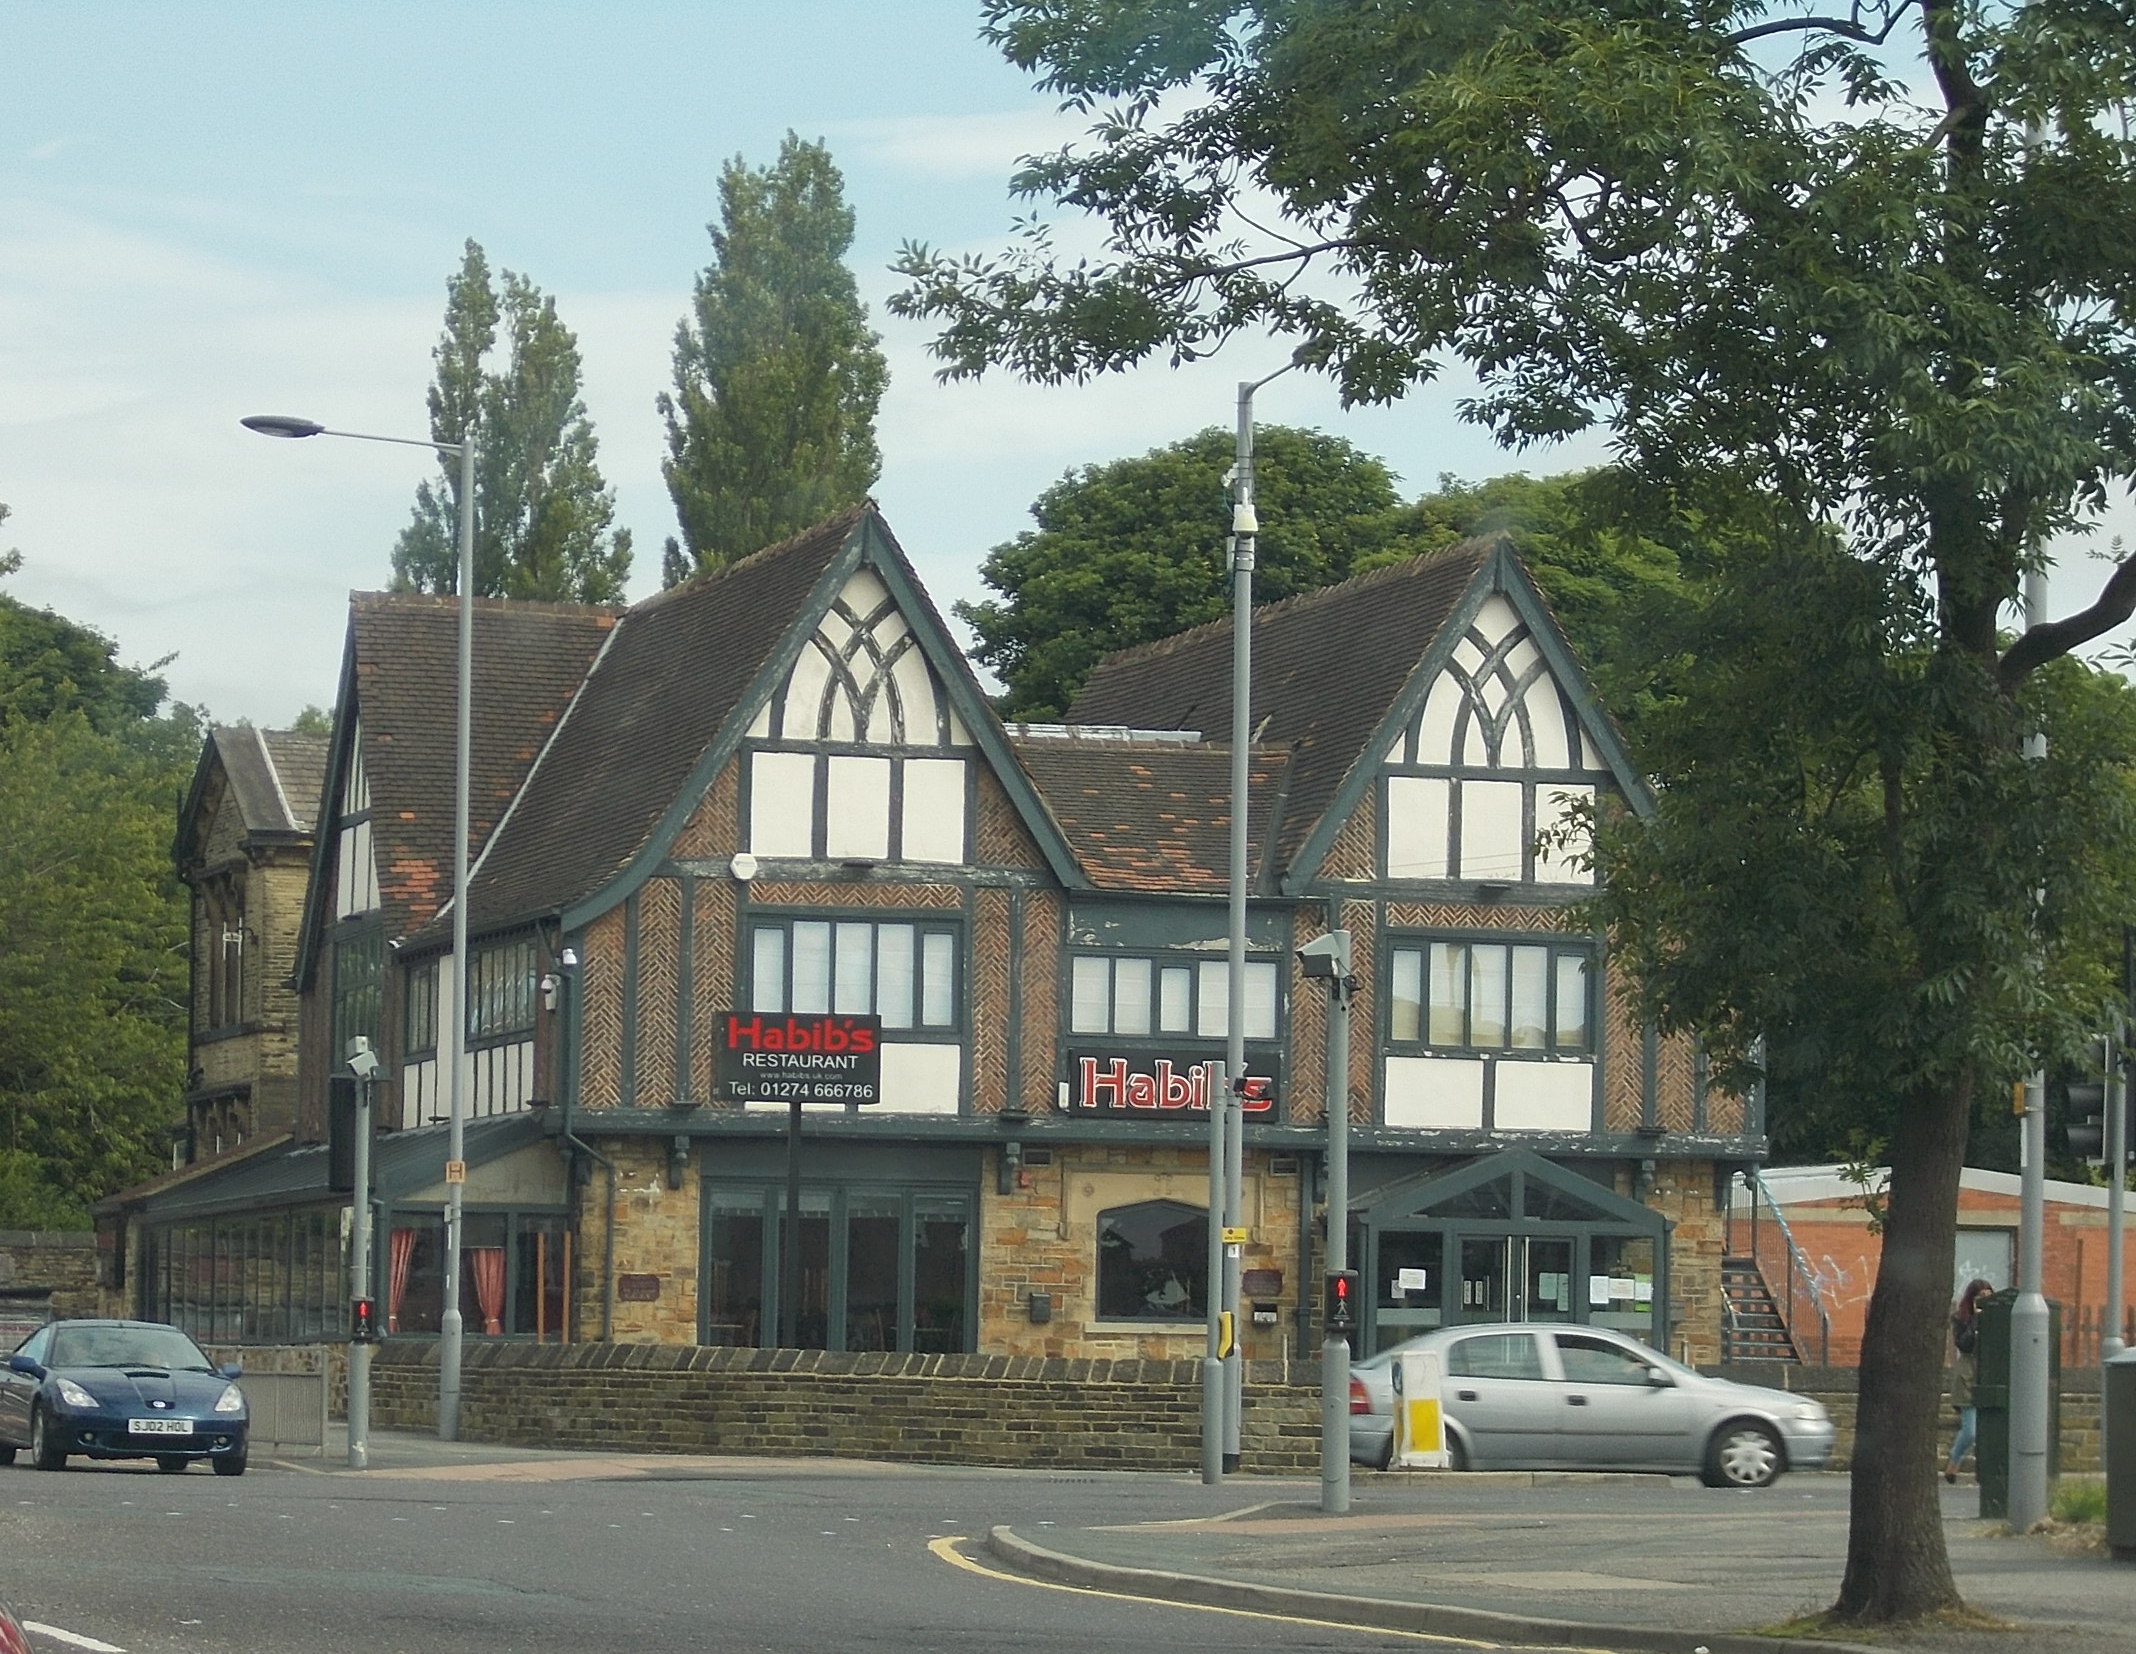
(73, 1639)
(946, 1549)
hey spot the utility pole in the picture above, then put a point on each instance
(2029, 1324)
(364, 1065)
(1329, 957)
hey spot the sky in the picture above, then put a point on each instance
(211, 210)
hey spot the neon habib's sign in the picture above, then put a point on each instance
(1144, 1084)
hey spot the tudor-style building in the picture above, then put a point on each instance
(777, 789)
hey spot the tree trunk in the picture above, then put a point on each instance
(1897, 1567)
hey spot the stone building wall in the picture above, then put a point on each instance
(44, 1274)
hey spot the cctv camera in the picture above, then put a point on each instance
(1326, 957)
(363, 1062)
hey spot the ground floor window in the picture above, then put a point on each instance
(880, 1268)
(513, 1274)
(1153, 1262)
(267, 1278)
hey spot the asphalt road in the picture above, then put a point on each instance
(743, 1556)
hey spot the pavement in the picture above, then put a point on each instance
(1543, 1560)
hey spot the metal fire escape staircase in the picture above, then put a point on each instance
(1757, 1325)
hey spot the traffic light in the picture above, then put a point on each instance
(1341, 1303)
(363, 1320)
(2087, 1092)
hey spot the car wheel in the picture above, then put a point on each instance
(172, 1467)
(1744, 1454)
(231, 1464)
(45, 1450)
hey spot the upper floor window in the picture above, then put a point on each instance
(1473, 995)
(904, 972)
(849, 806)
(501, 987)
(355, 868)
(1134, 996)
(359, 971)
(420, 1024)
(223, 968)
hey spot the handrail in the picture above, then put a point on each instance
(1798, 1266)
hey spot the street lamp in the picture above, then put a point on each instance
(455, 1025)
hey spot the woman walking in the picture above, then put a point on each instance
(1965, 1334)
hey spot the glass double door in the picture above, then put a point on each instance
(1502, 1277)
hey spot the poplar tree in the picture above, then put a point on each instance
(771, 424)
(543, 515)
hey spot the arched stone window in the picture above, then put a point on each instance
(1153, 1262)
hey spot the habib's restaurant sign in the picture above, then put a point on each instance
(1150, 1086)
(771, 1058)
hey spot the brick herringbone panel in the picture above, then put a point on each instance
(988, 1001)
(765, 894)
(601, 1020)
(1308, 1031)
(1471, 916)
(1624, 1055)
(712, 977)
(713, 828)
(1355, 851)
(1674, 1097)
(659, 975)
(1727, 1115)
(1003, 842)
(1357, 918)
(1041, 999)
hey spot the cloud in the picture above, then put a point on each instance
(986, 146)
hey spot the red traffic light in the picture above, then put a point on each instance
(363, 1320)
(1341, 1300)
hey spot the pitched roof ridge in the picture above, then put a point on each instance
(379, 602)
(849, 518)
(1475, 544)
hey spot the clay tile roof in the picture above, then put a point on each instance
(1150, 816)
(1327, 667)
(529, 659)
(656, 699)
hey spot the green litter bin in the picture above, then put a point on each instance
(1991, 1453)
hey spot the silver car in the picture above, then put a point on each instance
(1558, 1397)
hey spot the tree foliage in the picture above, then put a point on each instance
(93, 922)
(1135, 549)
(543, 514)
(771, 424)
(1859, 278)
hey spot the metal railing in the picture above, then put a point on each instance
(1798, 1272)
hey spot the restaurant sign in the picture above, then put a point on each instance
(1143, 1084)
(819, 1058)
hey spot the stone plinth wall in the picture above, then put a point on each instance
(942, 1409)
(45, 1274)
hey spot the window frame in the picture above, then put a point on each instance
(1557, 945)
(822, 753)
(925, 921)
(485, 996)
(1192, 1312)
(1193, 961)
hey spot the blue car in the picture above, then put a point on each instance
(120, 1390)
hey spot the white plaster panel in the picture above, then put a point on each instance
(760, 725)
(1434, 1092)
(420, 1098)
(1435, 732)
(804, 691)
(934, 809)
(782, 803)
(1417, 818)
(1544, 1096)
(863, 591)
(1551, 806)
(916, 693)
(1496, 618)
(857, 808)
(922, 1079)
(959, 736)
(1546, 718)
(1491, 843)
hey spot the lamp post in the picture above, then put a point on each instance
(455, 1024)
(2030, 1359)
(363, 1063)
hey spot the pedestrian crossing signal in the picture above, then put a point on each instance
(363, 1320)
(1341, 1313)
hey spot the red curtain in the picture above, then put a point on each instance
(400, 1252)
(488, 1265)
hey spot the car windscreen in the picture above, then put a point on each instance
(164, 1347)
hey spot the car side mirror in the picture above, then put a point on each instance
(1659, 1380)
(25, 1365)
(232, 1369)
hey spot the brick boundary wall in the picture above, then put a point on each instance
(1023, 1411)
(940, 1409)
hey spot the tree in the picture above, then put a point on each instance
(93, 922)
(771, 425)
(543, 513)
(1870, 269)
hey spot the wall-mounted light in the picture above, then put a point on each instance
(1009, 1174)
(678, 1159)
(743, 866)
